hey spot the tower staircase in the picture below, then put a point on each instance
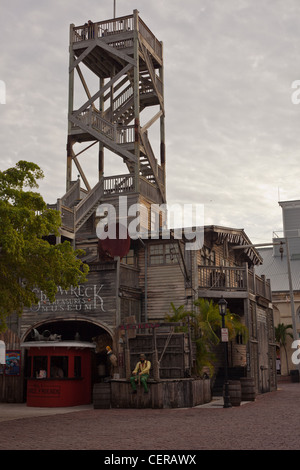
(125, 56)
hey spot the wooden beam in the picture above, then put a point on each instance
(152, 73)
(102, 138)
(136, 95)
(103, 90)
(151, 121)
(88, 187)
(82, 56)
(86, 148)
(112, 50)
(84, 84)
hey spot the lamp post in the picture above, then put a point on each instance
(224, 338)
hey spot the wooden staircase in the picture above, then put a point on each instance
(127, 59)
(88, 205)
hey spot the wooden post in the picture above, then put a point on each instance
(101, 146)
(162, 130)
(127, 357)
(118, 300)
(155, 358)
(136, 91)
(70, 109)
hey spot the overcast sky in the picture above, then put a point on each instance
(232, 130)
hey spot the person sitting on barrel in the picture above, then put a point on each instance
(140, 374)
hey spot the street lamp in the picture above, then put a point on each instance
(224, 338)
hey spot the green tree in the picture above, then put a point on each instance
(205, 323)
(27, 260)
(281, 335)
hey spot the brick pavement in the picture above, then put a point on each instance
(269, 423)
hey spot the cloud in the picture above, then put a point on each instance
(231, 128)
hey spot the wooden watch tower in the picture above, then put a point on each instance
(125, 60)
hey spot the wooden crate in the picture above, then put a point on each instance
(172, 352)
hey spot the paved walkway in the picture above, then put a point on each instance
(269, 423)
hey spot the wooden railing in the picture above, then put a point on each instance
(122, 97)
(230, 278)
(67, 218)
(114, 132)
(118, 184)
(87, 205)
(72, 196)
(129, 276)
(222, 277)
(103, 28)
(118, 26)
(150, 38)
(125, 134)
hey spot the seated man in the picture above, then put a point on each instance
(141, 374)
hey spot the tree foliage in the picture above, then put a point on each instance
(27, 260)
(205, 323)
(281, 335)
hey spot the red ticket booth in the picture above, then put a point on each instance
(59, 373)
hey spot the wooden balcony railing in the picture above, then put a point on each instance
(123, 26)
(229, 278)
(118, 184)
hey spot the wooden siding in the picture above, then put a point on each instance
(173, 393)
(165, 285)
(160, 284)
(95, 300)
(172, 352)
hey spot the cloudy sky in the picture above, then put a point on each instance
(232, 130)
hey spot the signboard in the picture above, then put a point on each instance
(13, 362)
(224, 335)
(82, 298)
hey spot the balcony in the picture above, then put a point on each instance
(234, 281)
(118, 33)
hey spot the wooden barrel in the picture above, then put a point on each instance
(101, 395)
(248, 389)
(234, 392)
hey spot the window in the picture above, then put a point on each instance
(129, 259)
(208, 257)
(59, 367)
(156, 254)
(39, 369)
(163, 254)
(77, 366)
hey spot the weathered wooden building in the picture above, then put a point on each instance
(133, 281)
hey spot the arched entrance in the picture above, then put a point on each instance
(76, 348)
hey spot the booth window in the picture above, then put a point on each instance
(59, 367)
(77, 366)
(40, 366)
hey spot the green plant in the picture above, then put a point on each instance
(27, 260)
(281, 335)
(205, 323)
